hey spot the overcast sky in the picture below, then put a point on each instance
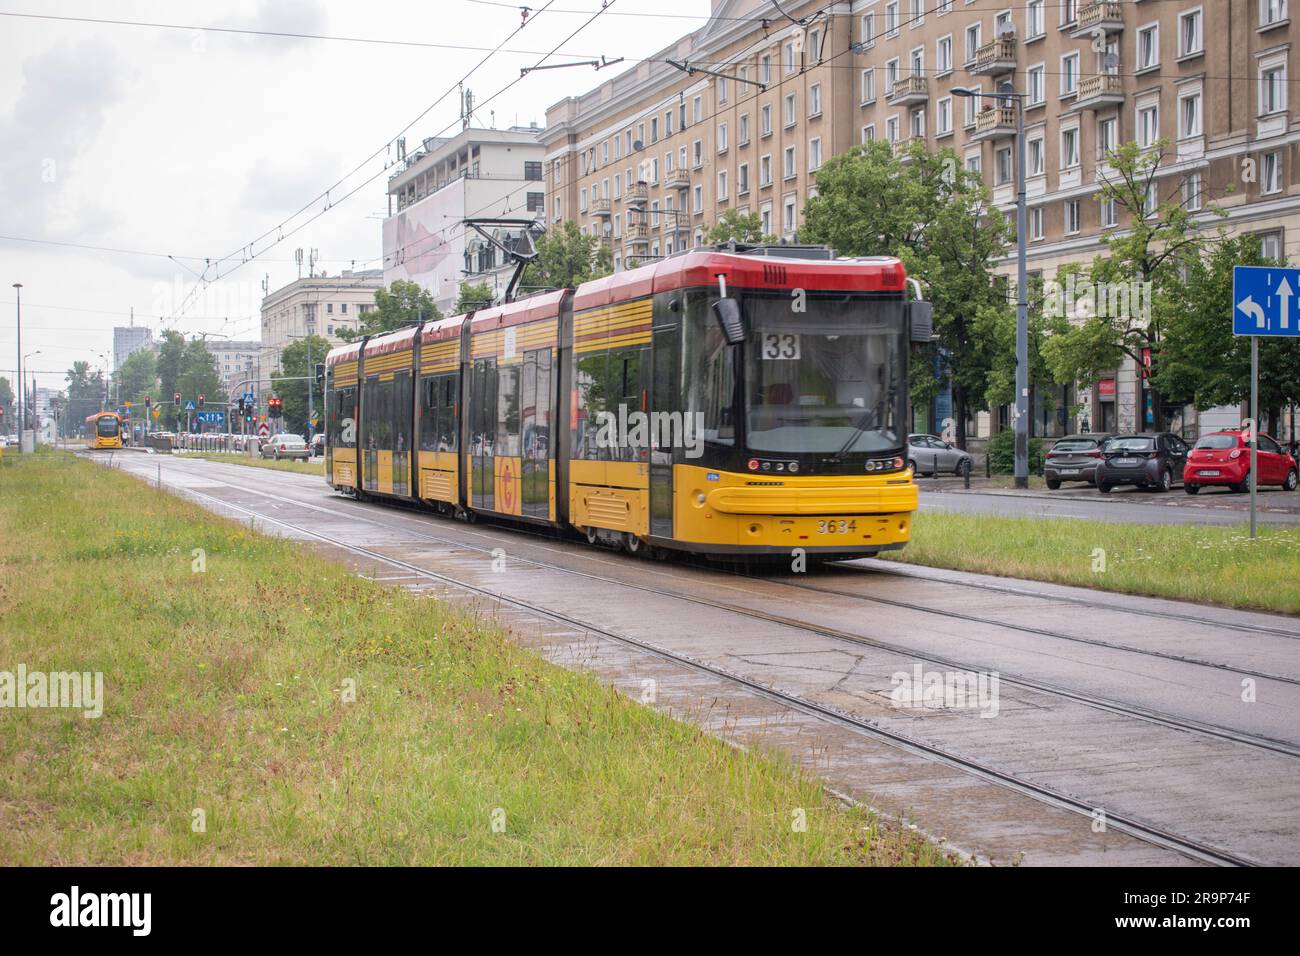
(190, 143)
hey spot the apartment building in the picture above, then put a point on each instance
(651, 158)
(128, 339)
(237, 363)
(478, 173)
(319, 305)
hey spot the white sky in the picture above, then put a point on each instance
(190, 144)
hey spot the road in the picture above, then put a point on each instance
(1119, 730)
(1214, 507)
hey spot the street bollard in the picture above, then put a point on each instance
(988, 464)
(965, 471)
(934, 466)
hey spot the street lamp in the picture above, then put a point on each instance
(1005, 92)
(18, 303)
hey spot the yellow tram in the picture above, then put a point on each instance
(722, 403)
(103, 430)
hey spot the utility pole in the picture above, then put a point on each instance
(18, 291)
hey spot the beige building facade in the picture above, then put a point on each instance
(650, 159)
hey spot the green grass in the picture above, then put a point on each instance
(1217, 565)
(316, 467)
(223, 693)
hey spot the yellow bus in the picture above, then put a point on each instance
(104, 430)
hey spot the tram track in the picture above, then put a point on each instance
(1107, 705)
(1129, 824)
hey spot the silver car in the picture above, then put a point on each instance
(931, 455)
(285, 446)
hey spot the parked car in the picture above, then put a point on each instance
(1148, 460)
(930, 455)
(317, 445)
(1223, 458)
(286, 446)
(1074, 458)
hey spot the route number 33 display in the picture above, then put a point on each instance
(778, 345)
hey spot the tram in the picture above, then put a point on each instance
(725, 402)
(103, 430)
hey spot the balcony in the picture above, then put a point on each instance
(638, 233)
(638, 194)
(909, 91)
(999, 122)
(903, 147)
(1104, 15)
(996, 57)
(677, 179)
(600, 207)
(1099, 91)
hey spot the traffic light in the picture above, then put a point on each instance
(148, 403)
(320, 374)
(176, 397)
(200, 403)
(275, 407)
(239, 406)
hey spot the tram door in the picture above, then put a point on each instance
(401, 414)
(482, 433)
(665, 401)
(371, 421)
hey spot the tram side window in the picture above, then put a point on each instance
(710, 374)
(438, 413)
(342, 423)
(399, 412)
(507, 426)
(449, 388)
(592, 383)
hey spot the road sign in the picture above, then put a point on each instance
(263, 430)
(189, 406)
(157, 413)
(1264, 301)
(212, 418)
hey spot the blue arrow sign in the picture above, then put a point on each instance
(1264, 301)
(189, 406)
(212, 418)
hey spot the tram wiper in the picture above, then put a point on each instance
(868, 420)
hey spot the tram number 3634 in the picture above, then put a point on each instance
(833, 526)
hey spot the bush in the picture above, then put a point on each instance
(1002, 453)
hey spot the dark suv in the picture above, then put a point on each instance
(1148, 460)
(1074, 458)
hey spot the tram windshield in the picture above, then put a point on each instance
(828, 379)
(106, 427)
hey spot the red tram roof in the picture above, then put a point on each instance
(343, 353)
(443, 329)
(393, 341)
(543, 306)
(702, 267)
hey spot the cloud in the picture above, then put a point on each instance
(281, 16)
(67, 92)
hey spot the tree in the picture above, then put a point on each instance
(402, 303)
(85, 394)
(733, 227)
(471, 297)
(137, 377)
(7, 404)
(1203, 329)
(566, 258)
(171, 355)
(935, 216)
(1132, 291)
(294, 378)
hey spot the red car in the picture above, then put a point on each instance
(1223, 458)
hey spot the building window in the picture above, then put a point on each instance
(697, 153)
(722, 185)
(1068, 12)
(788, 170)
(891, 18)
(533, 171)
(1036, 164)
(868, 31)
(943, 55)
(916, 122)
(668, 123)
(742, 179)
(891, 76)
(815, 100)
(765, 69)
(722, 89)
(343, 310)
(1070, 148)
(1189, 115)
(1271, 173)
(722, 137)
(744, 129)
(787, 215)
(765, 120)
(972, 41)
(869, 133)
(1072, 223)
(1034, 19)
(972, 107)
(789, 110)
(1107, 136)
(1148, 125)
(582, 199)
(1003, 168)
(697, 198)
(1192, 192)
(1036, 222)
(1109, 213)
(535, 202)
(765, 216)
(1069, 74)
(1035, 86)
(329, 308)
(1270, 244)
(1148, 46)
(868, 85)
(697, 110)
(1272, 89)
(943, 117)
(814, 154)
(1151, 202)
(1189, 33)
(1271, 11)
(789, 59)
(891, 129)
(765, 171)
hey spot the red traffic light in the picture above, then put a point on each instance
(176, 397)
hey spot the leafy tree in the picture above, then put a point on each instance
(294, 378)
(137, 377)
(171, 356)
(85, 394)
(7, 403)
(935, 216)
(402, 303)
(565, 258)
(472, 296)
(733, 227)
(1148, 258)
(1199, 356)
